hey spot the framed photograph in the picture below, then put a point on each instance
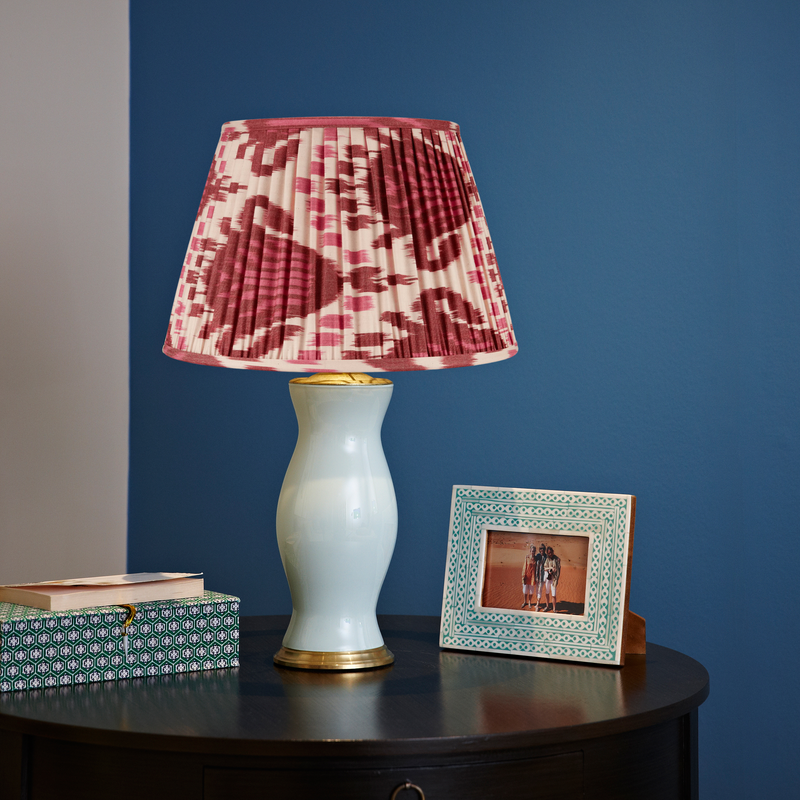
(542, 574)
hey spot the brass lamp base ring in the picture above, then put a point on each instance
(354, 659)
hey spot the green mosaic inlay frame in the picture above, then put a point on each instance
(58, 648)
(606, 520)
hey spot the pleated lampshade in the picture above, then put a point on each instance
(340, 244)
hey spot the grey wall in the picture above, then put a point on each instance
(63, 288)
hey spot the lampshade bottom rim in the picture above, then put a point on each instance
(370, 366)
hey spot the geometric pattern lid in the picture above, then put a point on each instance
(343, 244)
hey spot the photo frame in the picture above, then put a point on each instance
(588, 537)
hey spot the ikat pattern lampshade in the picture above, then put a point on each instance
(340, 244)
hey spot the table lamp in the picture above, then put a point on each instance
(339, 246)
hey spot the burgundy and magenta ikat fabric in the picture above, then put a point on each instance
(340, 244)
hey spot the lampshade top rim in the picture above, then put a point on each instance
(345, 122)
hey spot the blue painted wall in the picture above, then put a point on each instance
(639, 164)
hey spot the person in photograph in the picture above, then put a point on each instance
(551, 569)
(539, 574)
(528, 576)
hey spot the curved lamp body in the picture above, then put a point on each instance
(337, 524)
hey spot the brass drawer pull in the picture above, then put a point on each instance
(407, 785)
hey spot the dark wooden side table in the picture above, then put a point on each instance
(457, 725)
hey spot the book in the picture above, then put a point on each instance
(106, 590)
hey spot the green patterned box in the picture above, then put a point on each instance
(57, 648)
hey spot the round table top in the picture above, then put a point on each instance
(439, 701)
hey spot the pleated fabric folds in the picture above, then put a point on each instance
(341, 244)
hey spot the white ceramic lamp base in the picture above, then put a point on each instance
(337, 525)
